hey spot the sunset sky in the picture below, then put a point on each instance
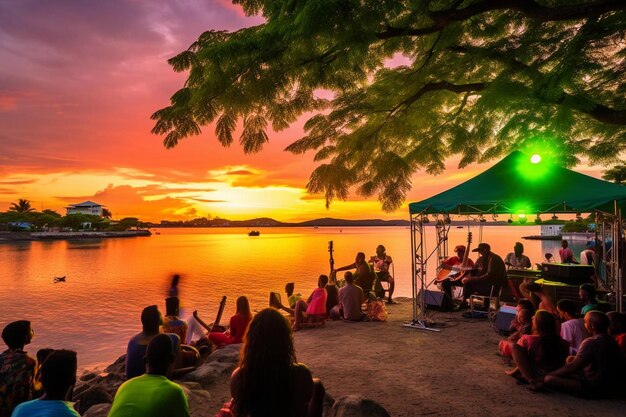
(78, 83)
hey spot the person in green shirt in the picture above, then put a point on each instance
(153, 394)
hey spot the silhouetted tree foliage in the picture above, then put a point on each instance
(21, 206)
(481, 78)
(616, 174)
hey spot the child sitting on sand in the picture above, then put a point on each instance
(524, 319)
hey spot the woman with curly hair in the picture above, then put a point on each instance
(269, 381)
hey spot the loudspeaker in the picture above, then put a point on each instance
(433, 299)
(504, 316)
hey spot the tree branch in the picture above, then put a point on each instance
(529, 8)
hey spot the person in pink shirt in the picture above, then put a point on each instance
(566, 254)
(315, 305)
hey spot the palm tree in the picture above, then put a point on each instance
(106, 214)
(22, 206)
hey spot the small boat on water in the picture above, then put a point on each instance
(254, 233)
(59, 279)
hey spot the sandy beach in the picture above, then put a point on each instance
(410, 372)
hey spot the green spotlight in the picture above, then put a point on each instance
(522, 218)
(535, 159)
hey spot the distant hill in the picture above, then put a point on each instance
(268, 222)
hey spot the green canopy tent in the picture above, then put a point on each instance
(518, 184)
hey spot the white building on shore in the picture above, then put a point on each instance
(86, 207)
(551, 229)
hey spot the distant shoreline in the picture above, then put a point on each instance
(36, 236)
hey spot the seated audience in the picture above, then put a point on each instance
(588, 294)
(315, 306)
(363, 276)
(136, 350)
(617, 329)
(540, 300)
(351, 298)
(292, 298)
(238, 325)
(58, 376)
(42, 354)
(572, 326)
(153, 394)
(537, 354)
(522, 304)
(332, 293)
(17, 369)
(524, 318)
(269, 381)
(172, 323)
(598, 366)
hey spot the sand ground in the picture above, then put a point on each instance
(454, 372)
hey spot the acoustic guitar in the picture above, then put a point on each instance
(458, 270)
(216, 324)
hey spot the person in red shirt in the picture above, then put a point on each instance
(457, 261)
(238, 325)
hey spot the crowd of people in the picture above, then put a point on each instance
(558, 346)
(268, 381)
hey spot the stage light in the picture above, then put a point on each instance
(535, 159)
(538, 219)
(522, 218)
(554, 217)
(510, 219)
(579, 217)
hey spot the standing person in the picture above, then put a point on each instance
(153, 394)
(269, 381)
(351, 298)
(492, 273)
(382, 262)
(17, 368)
(363, 277)
(58, 376)
(315, 305)
(173, 290)
(597, 368)
(566, 254)
(136, 351)
(238, 325)
(572, 327)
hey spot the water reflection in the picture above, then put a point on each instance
(109, 281)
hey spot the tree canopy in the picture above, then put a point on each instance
(478, 78)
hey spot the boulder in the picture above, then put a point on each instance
(117, 367)
(98, 410)
(218, 363)
(357, 406)
(93, 395)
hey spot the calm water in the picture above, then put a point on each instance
(109, 281)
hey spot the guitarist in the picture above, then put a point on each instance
(455, 280)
